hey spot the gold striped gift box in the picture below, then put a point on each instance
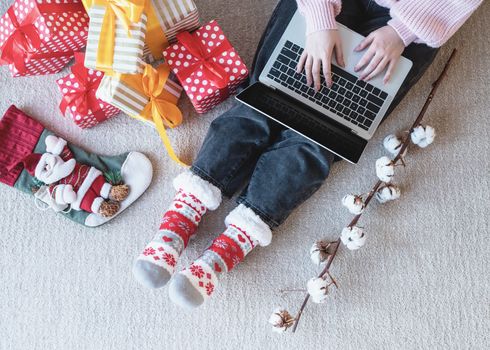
(171, 17)
(125, 91)
(128, 51)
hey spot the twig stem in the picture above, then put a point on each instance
(324, 271)
(292, 290)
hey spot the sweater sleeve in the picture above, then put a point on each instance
(432, 22)
(319, 14)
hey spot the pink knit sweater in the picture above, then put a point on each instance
(431, 22)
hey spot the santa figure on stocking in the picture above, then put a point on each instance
(68, 183)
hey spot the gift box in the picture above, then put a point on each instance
(79, 100)
(39, 37)
(207, 66)
(150, 97)
(116, 36)
(168, 18)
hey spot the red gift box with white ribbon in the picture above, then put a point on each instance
(207, 66)
(79, 100)
(40, 37)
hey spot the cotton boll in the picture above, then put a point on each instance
(281, 320)
(353, 203)
(385, 169)
(393, 144)
(388, 193)
(319, 299)
(353, 237)
(317, 288)
(417, 134)
(320, 251)
(423, 136)
(430, 134)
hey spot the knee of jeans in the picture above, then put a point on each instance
(317, 157)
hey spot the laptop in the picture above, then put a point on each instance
(342, 118)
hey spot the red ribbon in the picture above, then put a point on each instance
(82, 97)
(204, 61)
(25, 40)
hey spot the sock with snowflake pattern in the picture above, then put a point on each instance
(193, 285)
(156, 264)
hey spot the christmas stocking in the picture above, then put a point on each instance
(156, 264)
(86, 188)
(193, 285)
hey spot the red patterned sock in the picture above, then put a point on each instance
(156, 264)
(245, 230)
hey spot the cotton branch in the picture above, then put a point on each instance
(379, 183)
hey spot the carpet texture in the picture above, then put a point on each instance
(421, 281)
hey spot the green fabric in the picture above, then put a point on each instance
(104, 163)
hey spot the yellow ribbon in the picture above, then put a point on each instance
(128, 12)
(155, 35)
(158, 108)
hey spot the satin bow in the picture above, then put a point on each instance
(82, 96)
(158, 109)
(205, 60)
(23, 42)
(128, 12)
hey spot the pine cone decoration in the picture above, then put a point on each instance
(109, 208)
(119, 193)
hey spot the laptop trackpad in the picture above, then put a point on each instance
(304, 120)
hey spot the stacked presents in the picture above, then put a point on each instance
(114, 74)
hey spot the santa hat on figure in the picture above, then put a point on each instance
(48, 168)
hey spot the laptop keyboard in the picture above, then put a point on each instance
(354, 100)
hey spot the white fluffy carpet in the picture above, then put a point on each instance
(421, 281)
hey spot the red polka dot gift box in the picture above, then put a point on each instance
(40, 37)
(79, 100)
(207, 66)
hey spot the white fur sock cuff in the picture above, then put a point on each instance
(105, 190)
(247, 220)
(96, 204)
(206, 192)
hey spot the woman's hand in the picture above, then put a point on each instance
(385, 49)
(317, 56)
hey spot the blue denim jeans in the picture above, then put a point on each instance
(279, 168)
